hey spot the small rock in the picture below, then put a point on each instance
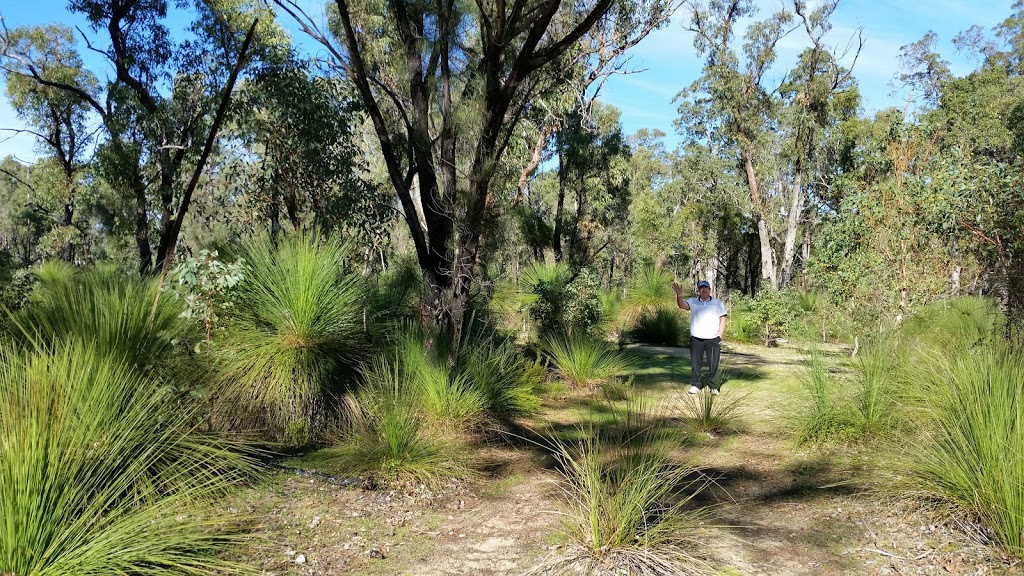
(316, 522)
(300, 559)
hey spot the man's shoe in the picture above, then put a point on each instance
(694, 389)
(714, 392)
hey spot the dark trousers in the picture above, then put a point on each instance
(699, 347)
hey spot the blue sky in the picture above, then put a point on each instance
(666, 62)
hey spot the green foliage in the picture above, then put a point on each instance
(629, 506)
(303, 127)
(972, 418)
(741, 326)
(663, 326)
(101, 471)
(560, 303)
(119, 316)
(584, 362)
(296, 331)
(582, 308)
(388, 436)
(205, 285)
(505, 378)
(770, 310)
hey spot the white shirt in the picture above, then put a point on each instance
(704, 317)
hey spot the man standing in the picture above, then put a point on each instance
(707, 326)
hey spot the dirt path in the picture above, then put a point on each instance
(780, 510)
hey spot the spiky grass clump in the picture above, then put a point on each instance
(824, 415)
(507, 381)
(708, 413)
(298, 328)
(876, 393)
(101, 474)
(628, 507)
(389, 434)
(611, 322)
(117, 316)
(584, 362)
(972, 451)
(648, 291)
(961, 323)
(446, 396)
(663, 326)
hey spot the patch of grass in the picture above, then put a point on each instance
(584, 362)
(876, 392)
(708, 413)
(617, 389)
(628, 506)
(101, 472)
(972, 450)
(824, 415)
(500, 372)
(388, 435)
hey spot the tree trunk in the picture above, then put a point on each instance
(556, 240)
(142, 227)
(67, 252)
(767, 260)
(792, 225)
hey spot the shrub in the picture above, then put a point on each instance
(101, 472)
(583, 361)
(559, 301)
(769, 310)
(741, 326)
(295, 332)
(205, 285)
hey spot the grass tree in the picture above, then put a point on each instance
(297, 331)
(119, 317)
(584, 362)
(101, 471)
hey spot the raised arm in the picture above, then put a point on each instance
(680, 301)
